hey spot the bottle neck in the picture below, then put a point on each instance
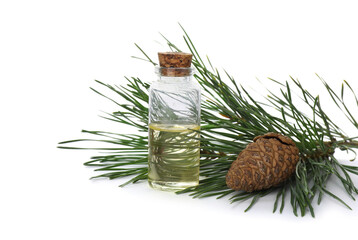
(174, 75)
(167, 79)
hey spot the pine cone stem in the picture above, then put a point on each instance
(329, 149)
(353, 144)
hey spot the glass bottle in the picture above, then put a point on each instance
(174, 124)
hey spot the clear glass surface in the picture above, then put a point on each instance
(174, 122)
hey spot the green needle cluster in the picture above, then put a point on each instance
(231, 118)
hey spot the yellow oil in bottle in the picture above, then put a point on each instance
(174, 155)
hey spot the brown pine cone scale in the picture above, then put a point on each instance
(268, 161)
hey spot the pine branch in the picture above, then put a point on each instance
(231, 118)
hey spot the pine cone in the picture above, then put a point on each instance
(268, 161)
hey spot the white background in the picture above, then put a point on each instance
(50, 54)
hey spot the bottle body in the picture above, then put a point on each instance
(174, 124)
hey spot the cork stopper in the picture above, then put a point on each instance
(175, 64)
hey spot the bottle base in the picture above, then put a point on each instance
(171, 186)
